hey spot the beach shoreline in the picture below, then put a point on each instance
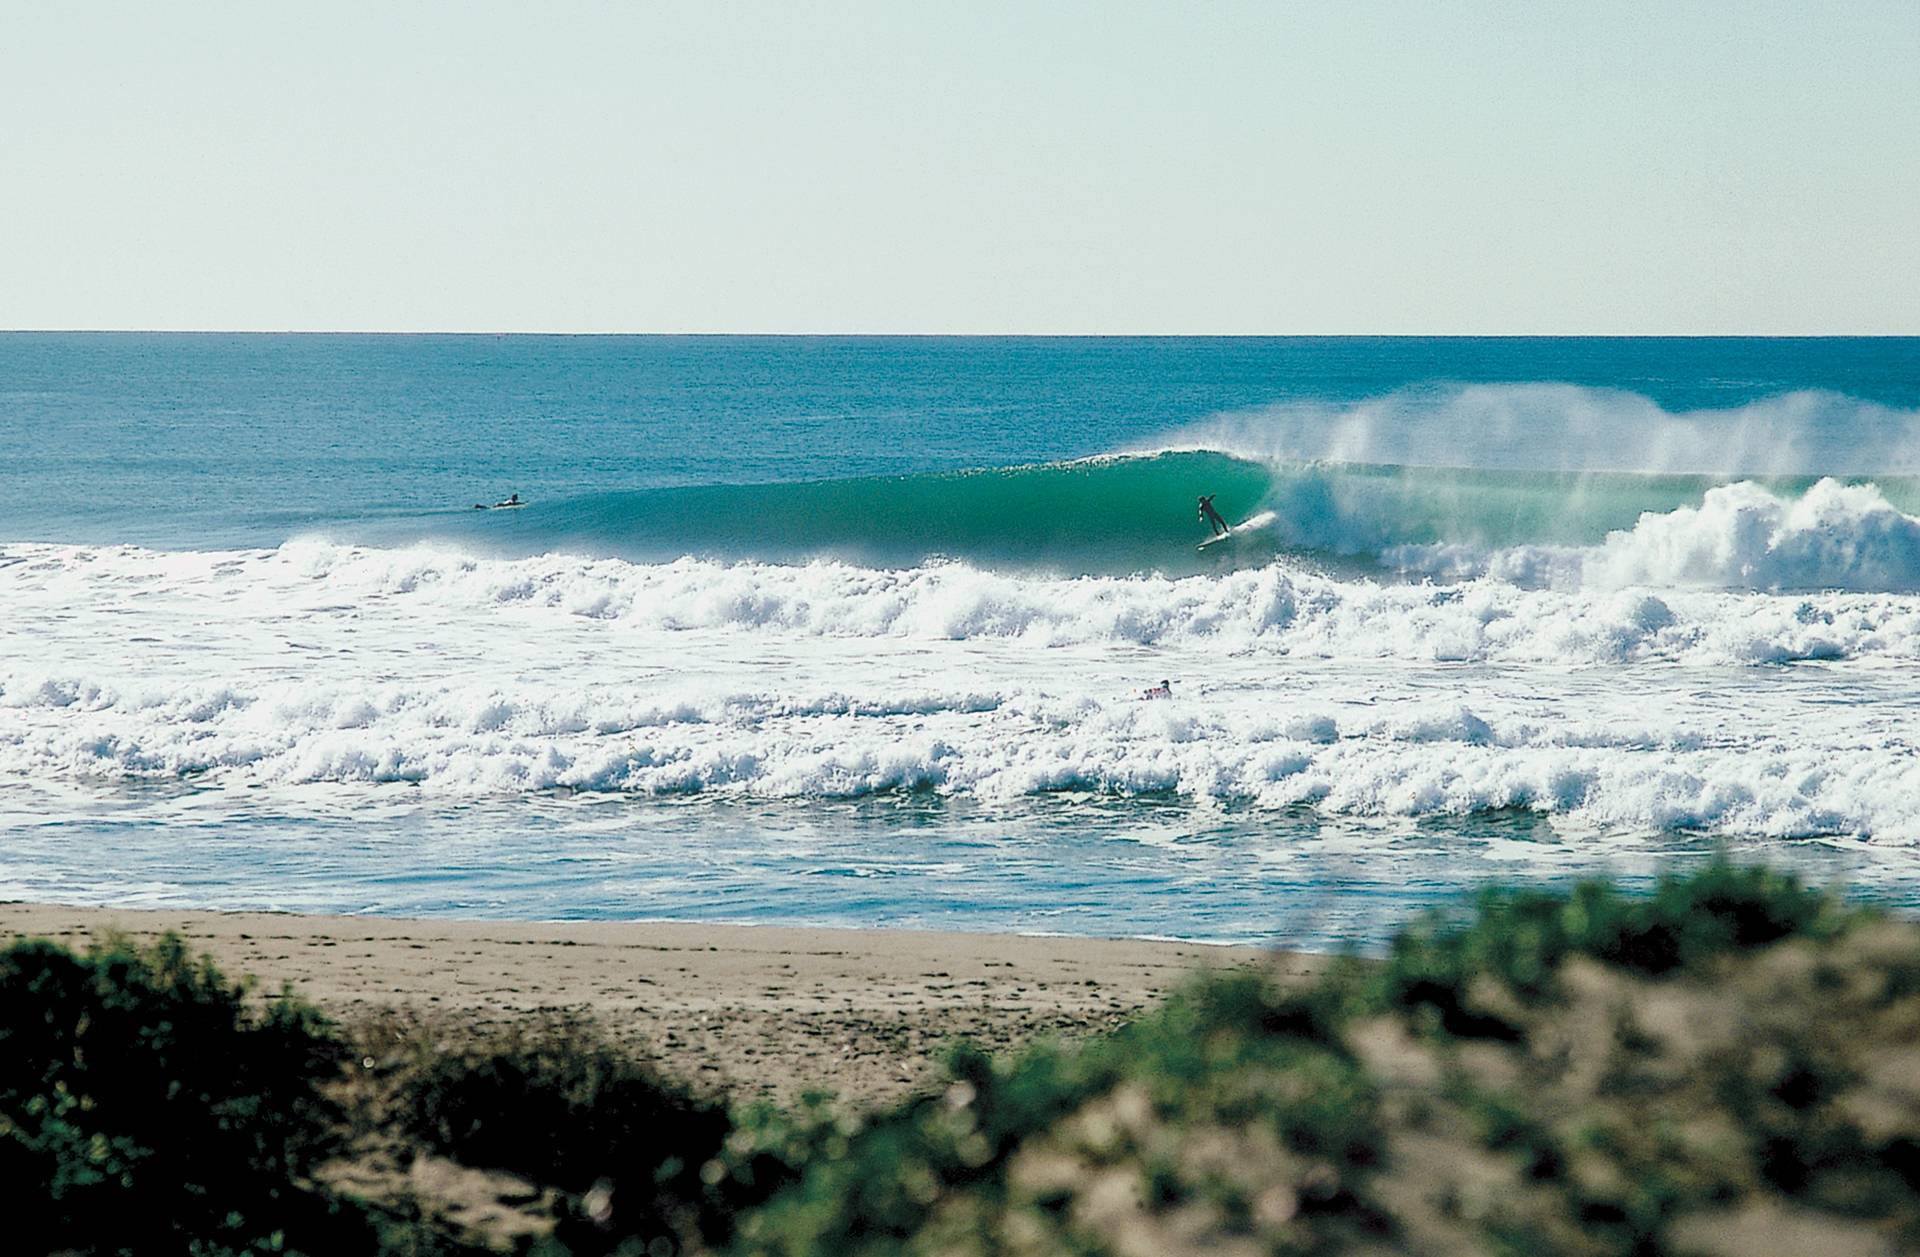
(756, 1011)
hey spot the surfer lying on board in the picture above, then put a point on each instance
(1162, 690)
(1212, 517)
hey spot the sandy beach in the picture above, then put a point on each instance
(756, 1010)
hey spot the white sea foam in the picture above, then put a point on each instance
(1635, 707)
(1741, 536)
(1414, 758)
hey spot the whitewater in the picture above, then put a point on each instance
(1531, 628)
(317, 662)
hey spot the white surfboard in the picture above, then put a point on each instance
(1252, 523)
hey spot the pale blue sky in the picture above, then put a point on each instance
(904, 167)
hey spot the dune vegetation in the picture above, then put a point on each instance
(1728, 1064)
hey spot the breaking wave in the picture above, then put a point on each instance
(1535, 484)
(1126, 516)
(1277, 608)
(1741, 536)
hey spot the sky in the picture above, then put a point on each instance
(1040, 167)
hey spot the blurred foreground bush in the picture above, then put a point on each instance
(144, 1108)
(642, 1164)
(1728, 1065)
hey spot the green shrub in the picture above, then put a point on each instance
(1584, 1072)
(1240, 1115)
(1004, 1148)
(1519, 939)
(144, 1107)
(639, 1157)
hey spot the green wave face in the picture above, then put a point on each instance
(1111, 515)
(1104, 515)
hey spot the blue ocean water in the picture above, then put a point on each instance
(854, 630)
(211, 440)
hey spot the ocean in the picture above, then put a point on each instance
(856, 631)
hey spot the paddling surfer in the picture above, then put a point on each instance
(1212, 517)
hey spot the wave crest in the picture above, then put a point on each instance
(1571, 429)
(1529, 469)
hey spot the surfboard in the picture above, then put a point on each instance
(1257, 522)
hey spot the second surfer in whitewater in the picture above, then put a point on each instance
(1212, 517)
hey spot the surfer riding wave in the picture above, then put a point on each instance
(1212, 516)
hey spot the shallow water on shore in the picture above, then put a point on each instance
(1060, 865)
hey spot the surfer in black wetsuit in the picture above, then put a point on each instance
(1212, 517)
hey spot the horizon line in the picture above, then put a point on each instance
(871, 335)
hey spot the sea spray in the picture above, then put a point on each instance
(1558, 427)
